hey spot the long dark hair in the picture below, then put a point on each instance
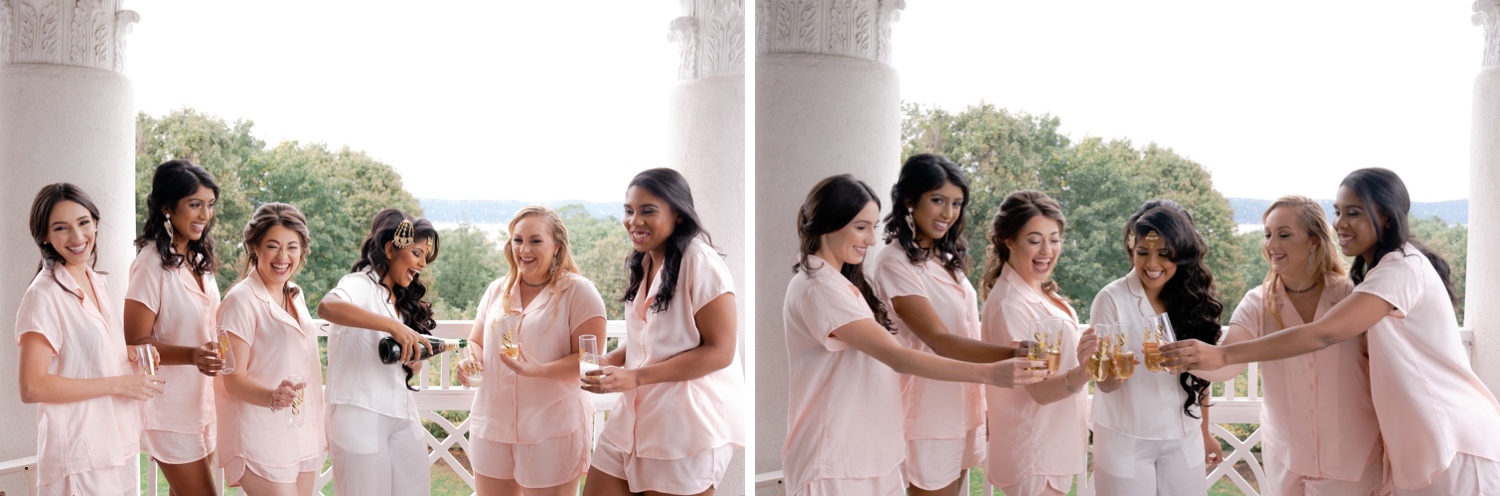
(1015, 211)
(174, 180)
(41, 213)
(671, 187)
(1189, 296)
(1385, 194)
(415, 313)
(831, 205)
(922, 173)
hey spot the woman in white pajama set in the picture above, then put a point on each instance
(374, 433)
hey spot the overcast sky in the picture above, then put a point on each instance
(449, 93)
(1273, 97)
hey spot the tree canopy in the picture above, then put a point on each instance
(339, 191)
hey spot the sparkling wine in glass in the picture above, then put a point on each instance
(588, 355)
(225, 354)
(1158, 331)
(505, 328)
(1122, 363)
(470, 364)
(294, 414)
(146, 356)
(1100, 361)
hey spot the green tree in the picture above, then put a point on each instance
(468, 261)
(1452, 243)
(339, 192)
(599, 248)
(1099, 184)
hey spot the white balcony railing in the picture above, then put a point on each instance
(432, 397)
(1228, 408)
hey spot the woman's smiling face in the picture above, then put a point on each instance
(70, 231)
(648, 219)
(1153, 262)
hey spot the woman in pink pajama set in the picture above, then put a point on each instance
(73, 358)
(171, 303)
(263, 448)
(676, 425)
(529, 427)
(1038, 435)
(845, 416)
(1321, 435)
(1440, 424)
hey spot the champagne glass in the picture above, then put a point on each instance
(1048, 332)
(505, 328)
(225, 354)
(145, 355)
(1158, 331)
(1122, 364)
(294, 414)
(470, 364)
(588, 354)
(1099, 362)
(1056, 328)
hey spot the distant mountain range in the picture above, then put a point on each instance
(1249, 210)
(498, 211)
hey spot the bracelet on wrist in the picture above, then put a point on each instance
(1068, 381)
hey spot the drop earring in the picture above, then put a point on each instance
(910, 224)
(168, 224)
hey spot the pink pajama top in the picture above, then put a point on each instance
(674, 420)
(844, 417)
(1039, 440)
(934, 409)
(1430, 403)
(1318, 414)
(185, 316)
(513, 409)
(281, 345)
(87, 343)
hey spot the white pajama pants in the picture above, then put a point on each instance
(376, 455)
(1126, 466)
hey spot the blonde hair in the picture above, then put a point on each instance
(562, 263)
(1324, 261)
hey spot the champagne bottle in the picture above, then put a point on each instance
(390, 351)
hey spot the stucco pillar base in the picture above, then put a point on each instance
(1482, 308)
(816, 116)
(708, 148)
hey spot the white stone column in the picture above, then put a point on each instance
(827, 102)
(1482, 308)
(66, 115)
(707, 146)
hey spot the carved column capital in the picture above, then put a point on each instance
(85, 33)
(1487, 16)
(710, 37)
(851, 28)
